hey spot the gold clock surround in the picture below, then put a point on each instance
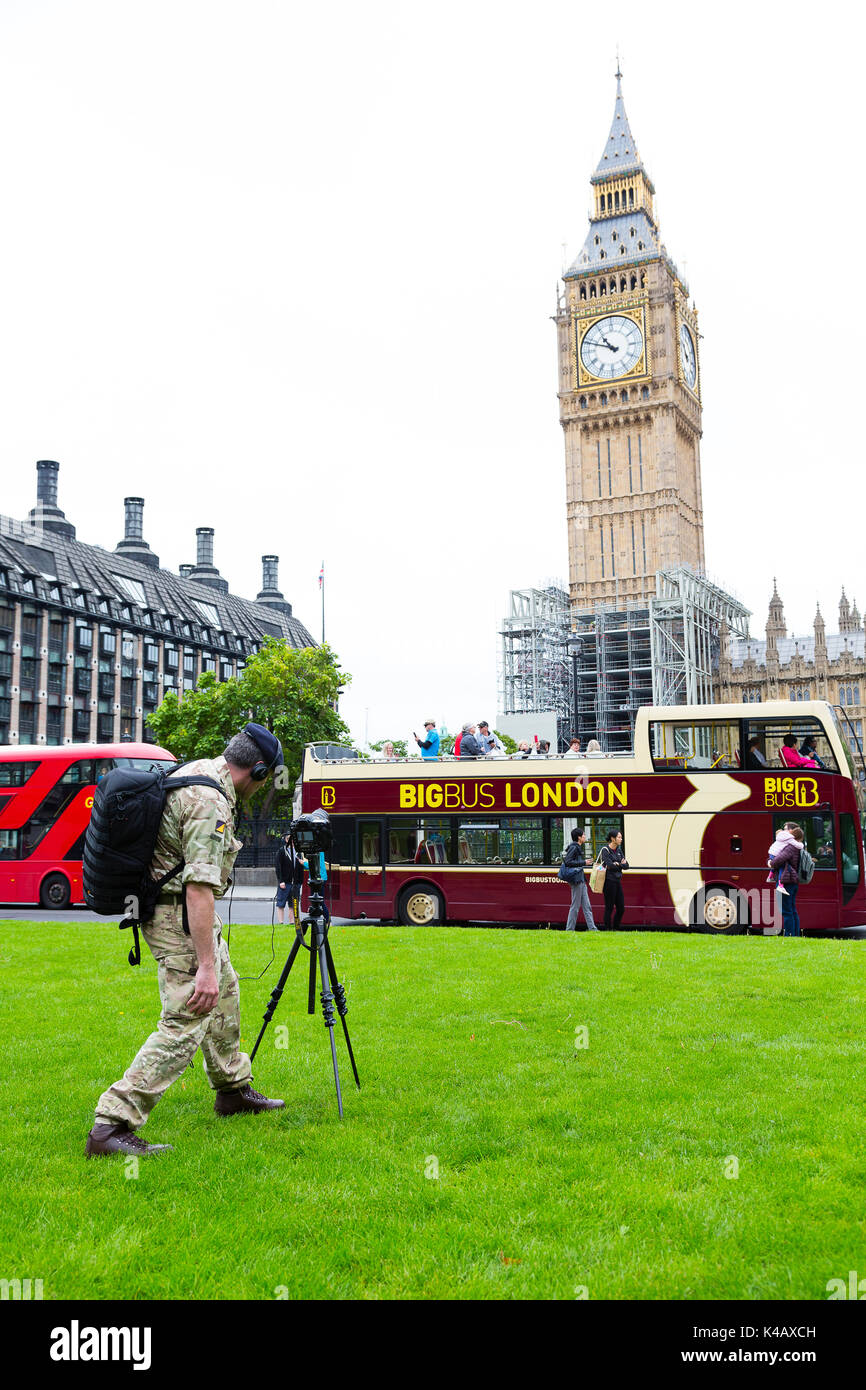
(583, 322)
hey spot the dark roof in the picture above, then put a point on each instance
(88, 579)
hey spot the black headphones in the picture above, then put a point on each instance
(260, 770)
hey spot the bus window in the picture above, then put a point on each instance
(507, 840)
(705, 746)
(10, 844)
(850, 856)
(595, 828)
(424, 840)
(771, 732)
(79, 773)
(44, 817)
(342, 840)
(818, 835)
(369, 842)
(16, 774)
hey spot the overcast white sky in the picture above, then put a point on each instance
(288, 270)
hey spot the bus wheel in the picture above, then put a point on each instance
(420, 906)
(55, 891)
(722, 911)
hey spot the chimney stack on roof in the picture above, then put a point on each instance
(185, 571)
(270, 594)
(46, 515)
(205, 571)
(133, 545)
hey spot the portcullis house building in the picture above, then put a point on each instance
(92, 639)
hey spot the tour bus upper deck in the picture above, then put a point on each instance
(691, 738)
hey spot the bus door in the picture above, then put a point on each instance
(370, 857)
(821, 898)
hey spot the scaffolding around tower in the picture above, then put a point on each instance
(535, 672)
(594, 668)
(688, 618)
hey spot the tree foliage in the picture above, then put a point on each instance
(292, 691)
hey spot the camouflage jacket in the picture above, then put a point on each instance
(197, 827)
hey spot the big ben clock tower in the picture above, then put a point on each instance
(629, 392)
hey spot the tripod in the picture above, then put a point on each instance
(320, 951)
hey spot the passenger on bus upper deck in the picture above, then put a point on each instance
(789, 755)
(809, 749)
(755, 759)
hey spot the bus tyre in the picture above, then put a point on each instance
(55, 892)
(420, 906)
(721, 911)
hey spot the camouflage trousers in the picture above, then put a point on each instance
(180, 1033)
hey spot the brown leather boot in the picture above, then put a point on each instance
(234, 1102)
(119, 1139)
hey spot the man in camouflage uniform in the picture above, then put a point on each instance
(198, 986)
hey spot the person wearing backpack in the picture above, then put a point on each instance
(197, 983)
(575, 858)
(787, 856)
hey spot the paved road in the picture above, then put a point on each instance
(255, 912)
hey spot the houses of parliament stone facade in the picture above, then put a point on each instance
(817, 666)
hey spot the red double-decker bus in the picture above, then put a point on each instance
(46, 795)
(699, 801)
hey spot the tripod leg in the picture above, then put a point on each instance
(328, 1012)
(277, 991)
(342, 1008)
(311, 997)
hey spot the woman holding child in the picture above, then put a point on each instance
(784, 863)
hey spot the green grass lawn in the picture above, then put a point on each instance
(606, 1167)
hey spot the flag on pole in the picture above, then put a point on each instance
(322, 575)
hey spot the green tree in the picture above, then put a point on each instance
(508, 743)
(292, 691)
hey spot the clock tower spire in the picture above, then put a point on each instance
(629, 390)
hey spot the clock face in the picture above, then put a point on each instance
(687, 356)
(612, 347)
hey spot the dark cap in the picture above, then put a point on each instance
(268, 743)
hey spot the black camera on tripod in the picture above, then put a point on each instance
(312, 834)
(312, 838)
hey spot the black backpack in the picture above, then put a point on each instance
(121, 839)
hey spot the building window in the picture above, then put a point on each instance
(583, 402)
